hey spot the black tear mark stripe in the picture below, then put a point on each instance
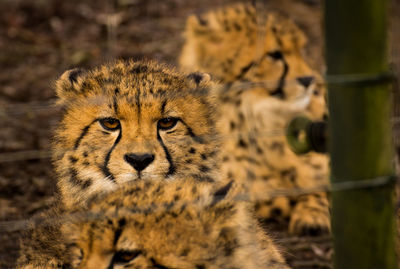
(118, 232)
(279, 90)
(83, 133)
(111, 265)
(172, 168)
(105, 169)
(195, 137)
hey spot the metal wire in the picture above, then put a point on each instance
(26, 108)
(24, 155)
(51, 105)
(44, 154)
(6, 157)
(47, 106)
(34, 222)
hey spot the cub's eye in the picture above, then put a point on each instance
(276, 55)
(125, 256)
(110, 124)
(167, 123)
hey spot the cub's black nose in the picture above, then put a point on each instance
(305, 81)
(139, 161)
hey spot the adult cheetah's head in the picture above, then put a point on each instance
(257, 51)
(129, 121)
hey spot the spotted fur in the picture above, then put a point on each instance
(114, 131)
(258, 59)
(182, 223)
(178, 224)
(130, 187)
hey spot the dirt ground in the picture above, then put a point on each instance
(40, 39)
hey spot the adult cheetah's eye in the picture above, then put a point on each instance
(167, 123)
(110, 124)
(276, 55)
(124, 256)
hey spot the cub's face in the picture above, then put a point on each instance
(143, 243)
(131, 121)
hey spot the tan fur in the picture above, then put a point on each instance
(247, 50)
(178, 223)
(42, 244)
(183, 219)
(90, 159)
(171, 224)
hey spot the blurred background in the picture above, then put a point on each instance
(39, 39)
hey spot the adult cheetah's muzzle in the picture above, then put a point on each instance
(305, 81)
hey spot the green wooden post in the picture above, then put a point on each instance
(360, 132)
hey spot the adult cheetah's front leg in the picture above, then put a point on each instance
(311, 215)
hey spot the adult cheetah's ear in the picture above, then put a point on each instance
(68, 85)
(200, 79)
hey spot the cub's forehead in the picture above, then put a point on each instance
(127, 78)
(133, 78)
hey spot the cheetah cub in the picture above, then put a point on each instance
(130, 121)
(137, 158)
(175, 224)
(182, 224)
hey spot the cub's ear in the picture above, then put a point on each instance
(68, 85)
(221, 193)
(200, 79)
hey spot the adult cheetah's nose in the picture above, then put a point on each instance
(305, 81)
(139, 161)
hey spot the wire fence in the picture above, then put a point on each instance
(38, 221)
(112, 21)
(44, 154)
(51, 106)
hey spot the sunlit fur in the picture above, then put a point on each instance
(171, 218)
(179, 224)
(89, 158)
(257, 57)
(169, 224)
